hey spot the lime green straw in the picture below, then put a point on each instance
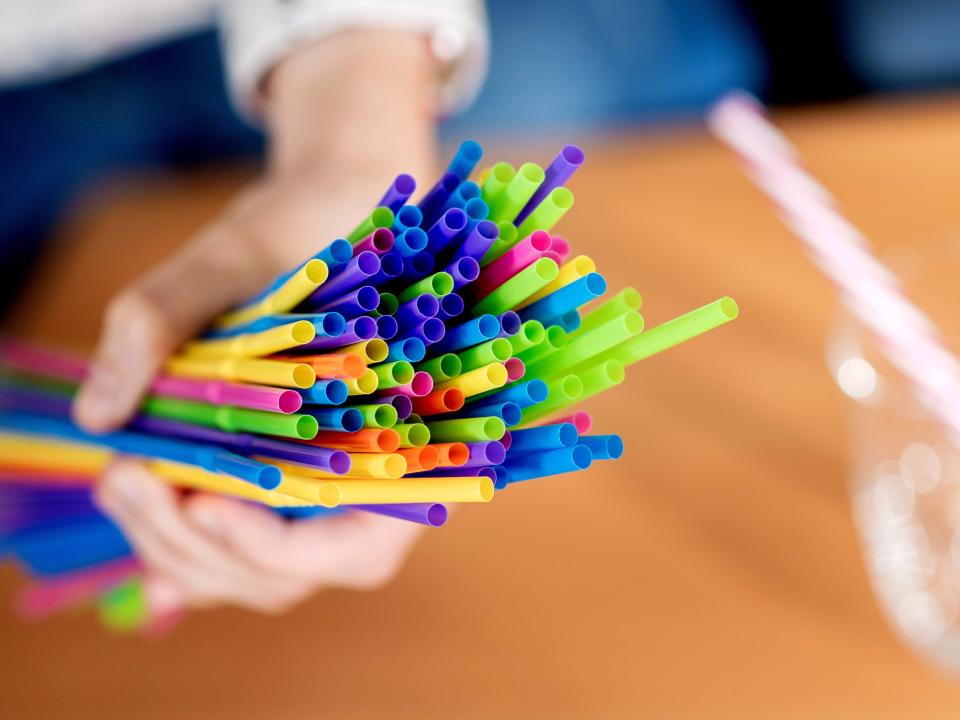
(518, 288)
(673, 332)
(438, 284)
(379, 218)
(377, 415)
(124, 607)
(555, 338)
(500, 176)
(561, 392)
(496, 350)
(624, 301)
(475, 429)
(511, 200)
(388, 305)
(531, 333)
(413, 434)
(393, 374)
(589, 346)
(506, 239)
(443, 367)
(548, 213)
(594, 381)
(232, 419)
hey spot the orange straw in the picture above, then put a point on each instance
(421, 459)
(370, 440)
(439, 401)
(329, 366)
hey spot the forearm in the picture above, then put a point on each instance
(354, 99)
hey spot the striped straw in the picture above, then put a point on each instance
(869, 290)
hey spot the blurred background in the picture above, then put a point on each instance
(716, 571)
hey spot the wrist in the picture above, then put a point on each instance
(359, 97)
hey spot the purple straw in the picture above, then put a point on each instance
(430, 331)
(478, 241)
(415, 311)
(432, 514)
(446, 229)
(358, 329)
(509, 324)
(387, 327)
(434, 201)
(354, 273)
(391, 267)
(563, 166)
(464, 271)
(451, 305)
(399, 192)
(359, 302)
(401, 403)
(417, 267)
(489, 452)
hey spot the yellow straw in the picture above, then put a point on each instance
(267, 342)
(377, 466)
(363, 385)
(370, 351)
(488, 377)
(53, 455)
(579, 267)
(262, 372)
(297, 287)
(416, 490)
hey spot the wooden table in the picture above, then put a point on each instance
(714, 572)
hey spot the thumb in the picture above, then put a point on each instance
(145, 323)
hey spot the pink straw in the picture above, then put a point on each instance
(523, 254)
(560, 246)
(580, 420)
(869, 289)
(48, 363)
(44, 599)
(515, 368)
(419, 386)
(379, 242)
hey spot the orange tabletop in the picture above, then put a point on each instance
(714, 572)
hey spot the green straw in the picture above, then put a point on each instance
(500, 176)
(376, 415)
(594, 381)
(511, 200)
(589, 346)
(379, 218)
(506, 239)
(624, 301)
(413, 434)
(531, 333)
(548, 213)
(518, 288)
(673, 332)
(232, 419)
(393, 374)
(388, 305)
(555, 338)
(438, 284)
(123, 607)
(475, 429)
(561, 392)
(496, 350)
(443, 367)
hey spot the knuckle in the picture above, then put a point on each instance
(139, 316)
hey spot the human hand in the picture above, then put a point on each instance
(345, 116)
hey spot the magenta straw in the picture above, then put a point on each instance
(216, 392)
(515, 369)
(71, 589)
(432, 514)
(581, 420)
(421, 385)
(379, 242)
(569, 159)
(560, 247)
(523, 254)
(506, 440)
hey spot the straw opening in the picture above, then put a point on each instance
(391, 265)
(540, 241)
(476, 209)
(500, 348)
(572, 154)
(571, 387)
(333, 324)
(493, 428)
(368, 263)
(436, 515)
(537, 390)
(532, 173)
(365, 327)
(486, 489)
(433, 330)
(289, 401)
(307, 427)
(428, 457)
(405, 184)
(729, 307)
(488, 326)
(418, 435)
(351, 420)
(376, 349)
(385, 416)
(421, 384)
(546, 269)
(339, 462)
(329, 495)
(382, 217)
(442, 283)
(388, 440)
(567, 435)
(316, 271)
(303, 375)
(562, 198)
(582, 457)
(268, 477)
(368, 382)
(511, 413)
(402, 372)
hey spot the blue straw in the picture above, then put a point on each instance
(342, 419)
(411, 349)
(539, 439)
(387, 327)
(432, 204)
(524, 394)
(567, 298)
(359, 302)
(391, 267)
(325, 392)
(509, 412)
(509, 324)
(468, 190)
(603, 447)
(410, 242)
(568, 321)
(451, 305)
(409, 216)
(551, 462)
(465, 159)
(472, 332)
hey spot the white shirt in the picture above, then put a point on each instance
(40, 39)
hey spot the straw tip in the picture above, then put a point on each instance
(729, 307)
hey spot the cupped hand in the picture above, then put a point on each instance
(345, 117)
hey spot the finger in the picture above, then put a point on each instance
(350, 550)
(149, 512)
(147, 321)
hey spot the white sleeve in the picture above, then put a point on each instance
(258, 33)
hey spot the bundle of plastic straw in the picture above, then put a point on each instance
(433, 355)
